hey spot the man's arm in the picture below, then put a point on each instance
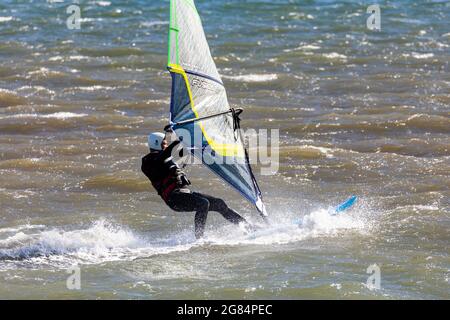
(168, 151)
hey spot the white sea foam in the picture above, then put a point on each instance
(56, 58)
(56, 115)
(150, 24)
(21, 228)
(418, 208)
(94, 88)
(15, 239)
(338, 286)
(305, 47)
(6, 91)
(104, 241)
(63, 115)
(90, 19)
(103, 3)
(42, 70)
(335, 55)
(6, 19)
(76, 58)
(100, 242)
(328, 152)
(318, 223)
(417, 55)
(69, 58)
(309, 47)
(253, 77)
(31, 90)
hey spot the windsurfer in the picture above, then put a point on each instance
(172, 184)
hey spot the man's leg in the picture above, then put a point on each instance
(200, 216)
(218, 205)
(187, 201)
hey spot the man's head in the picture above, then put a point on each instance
(157, 141)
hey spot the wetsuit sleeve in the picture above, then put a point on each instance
(146, 164)
(168, 151)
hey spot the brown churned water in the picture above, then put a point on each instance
(359, 112)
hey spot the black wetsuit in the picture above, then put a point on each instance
(171, 182)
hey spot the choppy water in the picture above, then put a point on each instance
(359, 112)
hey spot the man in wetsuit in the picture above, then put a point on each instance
(171, 184)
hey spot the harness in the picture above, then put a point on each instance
(166, 187)
(174, 180)
(164, 174)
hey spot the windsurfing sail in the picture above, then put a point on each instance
(199, 104)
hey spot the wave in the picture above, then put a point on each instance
(21, 228)
(104, 241)
(92, 88)
(60, 121)
(32, 91)
(45, 76)
(288, 228)
(423, 122)
(112, 52)
(253, 77)
(419, 56)
(335, 55)
(69, 58)
(56, 115)
(45, 73)
(6, 19)
(10, 98)
(42, 165)
(305, 47)
(118, 182)
(150, 24)
(306, 152)
(103, 3)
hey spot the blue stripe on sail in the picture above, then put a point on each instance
(180, 105)
(200, 74)
(203, 76)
